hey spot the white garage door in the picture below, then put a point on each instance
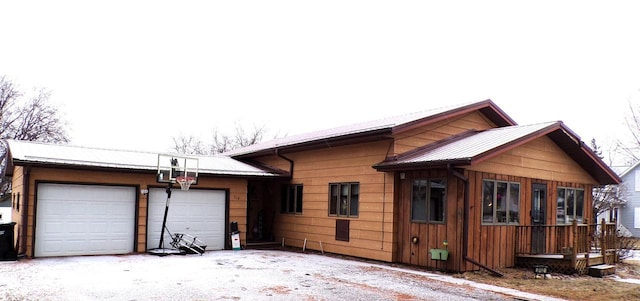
(84, 220)
(197, 212)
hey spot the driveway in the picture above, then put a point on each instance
(232, 275)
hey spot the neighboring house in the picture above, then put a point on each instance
(466, 179)
(629, 213)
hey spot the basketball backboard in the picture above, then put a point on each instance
(171, 167)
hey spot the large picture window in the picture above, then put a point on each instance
(570, 205)
(428, 200)
(291, 201)
(500, 202)
(344, 199)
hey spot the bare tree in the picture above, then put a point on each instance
(189, 145)
(629, 148)
(30, 118)
(608, 197)
(221, 142)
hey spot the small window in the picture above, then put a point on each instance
(427, 200)
(500, 202)
(344, 199)
(291, 201)
(570, 205)
(18, 202)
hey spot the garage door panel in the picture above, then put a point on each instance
(200, 213)
(84, 220)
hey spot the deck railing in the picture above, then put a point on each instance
(568, 239)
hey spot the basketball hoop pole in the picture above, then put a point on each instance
(164, 220)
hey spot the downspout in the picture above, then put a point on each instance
(288, 160)
(26, 175)
(465, 224)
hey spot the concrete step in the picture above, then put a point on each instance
(602, 270)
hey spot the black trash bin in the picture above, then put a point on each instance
(7, 251)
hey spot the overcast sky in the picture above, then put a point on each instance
(134, 74)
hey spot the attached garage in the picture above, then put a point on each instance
(84, 220)
(197, 212)
(74, 200)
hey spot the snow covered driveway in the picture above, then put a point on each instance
(223, 275)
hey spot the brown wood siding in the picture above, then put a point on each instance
(237, 194)
(494, 245)
(430, 235)
(371, 232)
(421, 136)
(538, 159)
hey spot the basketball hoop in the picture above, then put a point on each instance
(185, 182)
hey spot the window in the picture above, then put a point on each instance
(433, 209)
(291, 201)
(500, 202)
(570, 205)
(344, 199)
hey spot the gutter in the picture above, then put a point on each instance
(288, 160)
(465, 228)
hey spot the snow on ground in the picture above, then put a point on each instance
(231, 275)
(634, 256)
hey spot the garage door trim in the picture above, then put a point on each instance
(35, 207)
(226, 211)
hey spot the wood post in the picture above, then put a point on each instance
(574, 252)
(604, 233)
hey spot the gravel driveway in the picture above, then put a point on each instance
(231, 275)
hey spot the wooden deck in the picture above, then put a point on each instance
(566, 249)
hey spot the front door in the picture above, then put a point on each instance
(538, 217)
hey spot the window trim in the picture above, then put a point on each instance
(568, 219)
(349, 199)
(507, 208)
(288, 206)
(427, 201)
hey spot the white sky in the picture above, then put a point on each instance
(133, 74)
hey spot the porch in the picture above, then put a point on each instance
(566, 249)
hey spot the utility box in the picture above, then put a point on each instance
(7, 251)
(235, 241)
(235, 236)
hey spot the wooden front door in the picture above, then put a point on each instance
(538, 217)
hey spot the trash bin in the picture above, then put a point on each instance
(7, 251)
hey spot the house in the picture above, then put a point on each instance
(629, 214)
(463, 181)
(462, 178)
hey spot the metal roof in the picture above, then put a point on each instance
(57, 154)
(467, 146)
(375, 127)
(475, 146)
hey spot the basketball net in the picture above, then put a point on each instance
(185, 182)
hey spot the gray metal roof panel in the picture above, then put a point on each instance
(363, 127)
(472, 146)
(123, 159)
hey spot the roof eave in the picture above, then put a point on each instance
(390, 166)
(354, 138)
(487, 107)
(202, 172)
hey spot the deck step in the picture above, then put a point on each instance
(602, 270)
